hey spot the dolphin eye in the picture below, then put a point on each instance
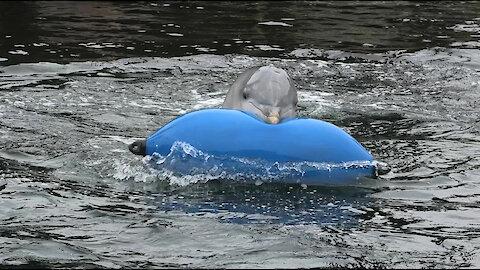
(245, 95)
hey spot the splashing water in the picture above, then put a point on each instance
(190, 165)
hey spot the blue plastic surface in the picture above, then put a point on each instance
(332, 155)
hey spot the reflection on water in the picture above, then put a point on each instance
(267, 203)
(402, 78)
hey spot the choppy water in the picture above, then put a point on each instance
(80, 81)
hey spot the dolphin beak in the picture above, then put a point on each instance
(273, 119)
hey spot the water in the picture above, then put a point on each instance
(79, 81)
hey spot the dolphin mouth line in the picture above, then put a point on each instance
(270, 118)
(254, 105)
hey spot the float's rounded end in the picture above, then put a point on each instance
(381, 168)
(139, 147)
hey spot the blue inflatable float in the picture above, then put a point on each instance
(299, 150)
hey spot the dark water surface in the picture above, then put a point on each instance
(79, 81)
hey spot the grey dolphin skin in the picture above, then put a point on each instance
(268, 92)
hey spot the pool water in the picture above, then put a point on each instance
(79, 81)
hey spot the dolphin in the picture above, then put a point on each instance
(267, 92)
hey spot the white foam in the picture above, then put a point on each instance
(273, 23)
(268, 48)
(20, 52)
(175, 34)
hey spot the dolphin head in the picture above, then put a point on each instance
(270, 95)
